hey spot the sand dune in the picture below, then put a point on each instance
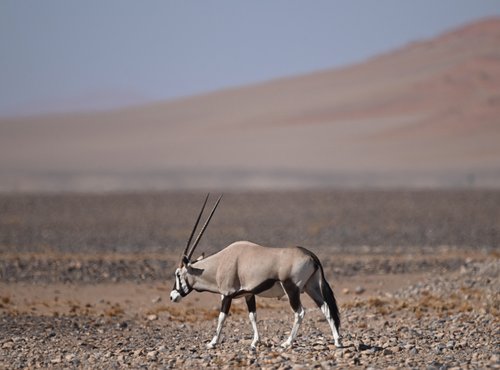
(427, 114)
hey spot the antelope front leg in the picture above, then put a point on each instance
(252, 315)
(226, 305)
(253, 320)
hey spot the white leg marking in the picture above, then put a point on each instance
(220, 324)
(299, 316)
(253, 320)
(336, 335)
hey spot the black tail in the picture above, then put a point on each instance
(329, 297)
(326, 290)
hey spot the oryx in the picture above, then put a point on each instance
(245, 269)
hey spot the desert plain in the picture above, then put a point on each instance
(85, 279)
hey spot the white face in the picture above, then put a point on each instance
(181, 287)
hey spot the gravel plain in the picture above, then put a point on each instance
(445, 321)
(428, 302)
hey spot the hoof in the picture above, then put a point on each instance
(339, 345)
(211, 345)
(286, 344)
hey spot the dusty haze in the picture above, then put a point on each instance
(425, 115)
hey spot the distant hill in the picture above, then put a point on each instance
(425, 115)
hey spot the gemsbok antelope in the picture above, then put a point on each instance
(245, 269)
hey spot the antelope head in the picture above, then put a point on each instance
(182, 286)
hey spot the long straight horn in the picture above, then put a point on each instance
(203, 229)
(194, 228)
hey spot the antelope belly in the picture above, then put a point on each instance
(276, 291)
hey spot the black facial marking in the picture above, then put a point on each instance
(175, 281)
(181, 290)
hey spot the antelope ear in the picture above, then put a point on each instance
(200, 257)
(186, 261)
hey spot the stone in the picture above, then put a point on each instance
(359, 290)
(395, 349)
(440, 347)
(69, 357)
(8, 345)
(156, 299)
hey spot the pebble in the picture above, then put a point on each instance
(395, 349)
(8, 345)
(359, 290)
(70, 357)
(440, 347)
(156, 299)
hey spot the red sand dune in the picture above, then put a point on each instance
(427, 114)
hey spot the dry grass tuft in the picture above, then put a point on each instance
(114, 311)
(4, 301)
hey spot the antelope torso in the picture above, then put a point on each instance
(247, 268)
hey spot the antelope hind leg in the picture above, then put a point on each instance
(314, 291)
(293, 293)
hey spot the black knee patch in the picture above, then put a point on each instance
(293, 293)
(251, 304)
(226, 305)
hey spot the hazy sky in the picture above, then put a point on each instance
(63, 55)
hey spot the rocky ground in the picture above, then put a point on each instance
(447, 320)
(403, 306)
